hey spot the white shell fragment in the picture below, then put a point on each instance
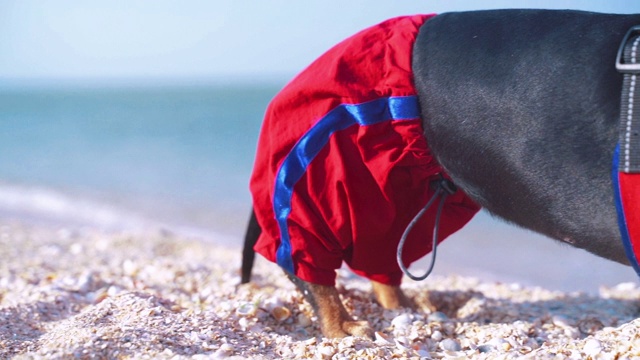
(401, 321)
(381, 338)
(592, 347)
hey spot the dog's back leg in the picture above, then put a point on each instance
(248, 254)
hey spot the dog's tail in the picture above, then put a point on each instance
(248, 254)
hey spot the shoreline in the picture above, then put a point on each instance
(486, 248)
(88, 293)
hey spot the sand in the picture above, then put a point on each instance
(92, 294)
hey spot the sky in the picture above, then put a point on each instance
(196, 39)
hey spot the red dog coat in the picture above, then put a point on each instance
(342, 164)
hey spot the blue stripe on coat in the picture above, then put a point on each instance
(310, 144)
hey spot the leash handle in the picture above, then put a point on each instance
(444, 189)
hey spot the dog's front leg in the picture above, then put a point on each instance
(335, 321)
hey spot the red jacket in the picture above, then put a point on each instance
(342, 164)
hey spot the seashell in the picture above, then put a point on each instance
(467, 343)
(225, 350)
(114, 290)
(244, 323)
(592, 347)
(303, 320)
(280, 313)
(381, 339)
(506, 346)
(130, 268)
(401, 321)
(76, 249)
(455, 355)
(590, 325)
(485, 348)
(572, 332)
(97, 296)
(560, 320)
(498, 344)
(525, 350)
(437, 317)
(325, 351)
(346, 343)
(272, 303)
(423, 353)
(450, 345)
(436, 336)
(247, 309)
(402, 344)
(414, 335)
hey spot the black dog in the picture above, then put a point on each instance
(521, 108)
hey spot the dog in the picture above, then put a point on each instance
(520, 110)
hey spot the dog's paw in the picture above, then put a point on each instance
(357, 328)
(346, 328)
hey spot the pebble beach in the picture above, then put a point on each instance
(84, 293)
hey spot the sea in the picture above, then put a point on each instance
(178, 157)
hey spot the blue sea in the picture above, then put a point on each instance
(179, 156)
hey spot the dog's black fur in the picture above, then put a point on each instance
(521, 108)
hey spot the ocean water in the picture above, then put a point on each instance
(179, 157)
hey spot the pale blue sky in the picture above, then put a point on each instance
(120, 39)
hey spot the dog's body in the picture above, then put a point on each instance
(521, 108)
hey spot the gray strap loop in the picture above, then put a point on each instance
(444, 189)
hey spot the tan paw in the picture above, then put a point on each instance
(358, 328)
